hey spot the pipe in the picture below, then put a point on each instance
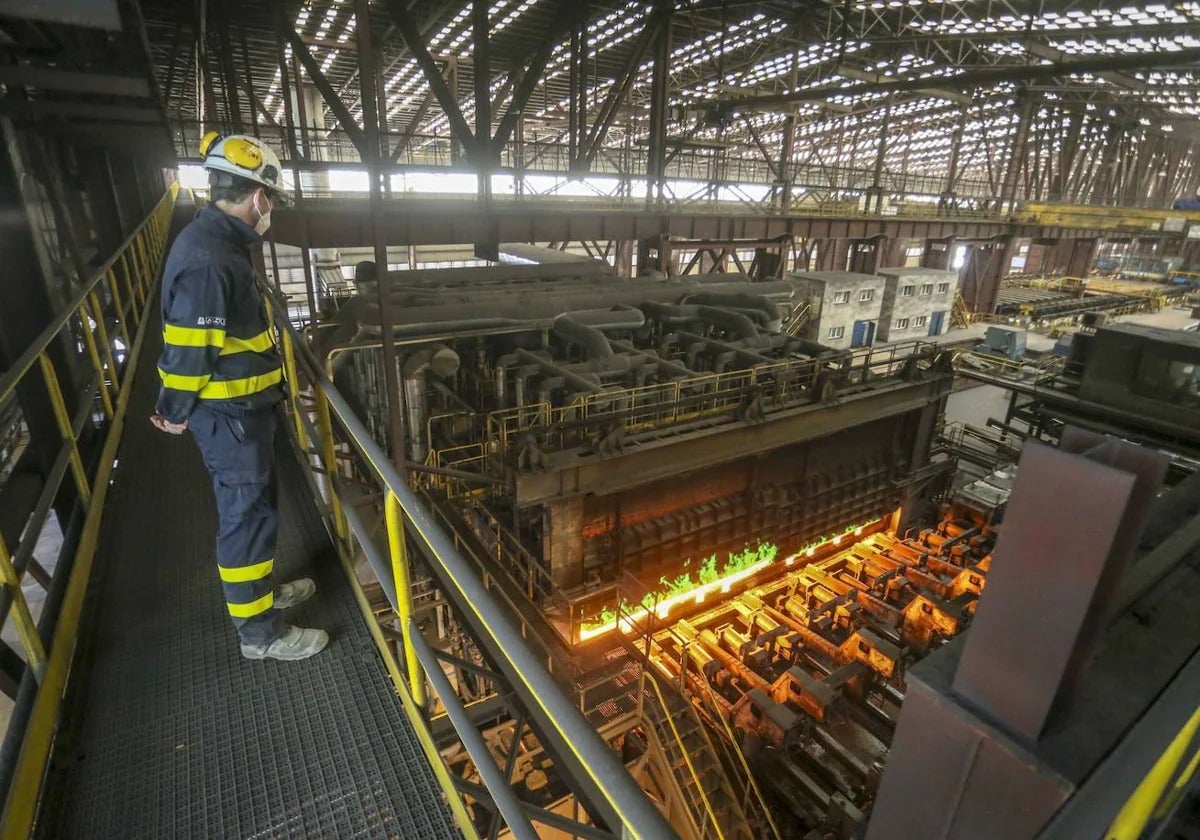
(594, 342)
(450, 394)
(575, 380)
(729, 320)
(746, 357)
(501, 375)
(437, 359)
(670, 314)
(676, 370)
(618, 317)
(739, 300)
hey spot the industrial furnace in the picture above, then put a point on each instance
(620, 426)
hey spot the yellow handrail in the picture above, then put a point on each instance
(662, 704)
(50, 668)
(344, 445)
(752, 785)
(1162, 786)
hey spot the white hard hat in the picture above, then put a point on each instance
(244, 156)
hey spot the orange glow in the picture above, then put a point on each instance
(698, 595)
(664, 607)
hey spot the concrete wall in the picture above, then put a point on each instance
(824, 289)
(919, 305)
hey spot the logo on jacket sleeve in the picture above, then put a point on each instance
(210, 321)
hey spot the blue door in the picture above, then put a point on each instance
(863, 335)
(935, 323)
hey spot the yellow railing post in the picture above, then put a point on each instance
(35, 651)
(329, 460)
(143, 265)
(118, 304)
(398, 551)
(98, 315)
(134, 293)
(89, 340)
(64, 426)
(289, 364)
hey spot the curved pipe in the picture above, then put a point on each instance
(618, 317)
(437, 359)
(733, 300)
(670, 314)
(674, 369)
(594, 342)
(729, 320)
(745, 358)
(575, 380)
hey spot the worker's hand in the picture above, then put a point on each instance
(164, 425)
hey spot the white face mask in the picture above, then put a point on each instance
(264, 219)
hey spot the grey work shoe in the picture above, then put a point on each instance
(297, 592)
(295, 643)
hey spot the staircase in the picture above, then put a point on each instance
(798, 321)
(695, 783)
(960, 315)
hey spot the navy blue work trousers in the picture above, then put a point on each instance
(239, 451)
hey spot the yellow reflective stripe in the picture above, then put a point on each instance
(253, 608)
(193, 336)
(183, 383)
(231, 388)
(245, 574)
(258, 344)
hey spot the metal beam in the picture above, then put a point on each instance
(620, 87)
(660, 80)
(229, 71)
(533, 73)
(420, 53)
(482, 77)
(81, 111)
(327, 91)
(958, 77)
(1050, 53)
(877, 78)
(372, 154)
(289, 122)
(49, 78)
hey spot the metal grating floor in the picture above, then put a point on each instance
(172, 733)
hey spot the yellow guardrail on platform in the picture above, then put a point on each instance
(344, 460)
(109, 317)
(1162, 787)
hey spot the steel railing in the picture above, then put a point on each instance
(104, 326)
(343, 458)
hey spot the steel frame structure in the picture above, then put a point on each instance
(963, 104)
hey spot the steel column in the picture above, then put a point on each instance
(659, 83)
(373, 157)
(420, 53)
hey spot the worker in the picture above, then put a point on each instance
(222, 381)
